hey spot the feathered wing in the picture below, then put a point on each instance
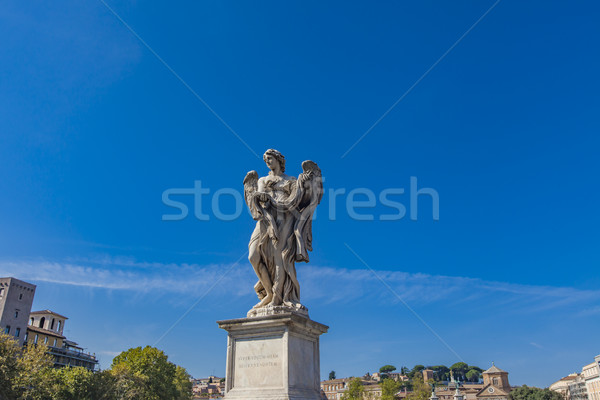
(311, 191)
(250, 187)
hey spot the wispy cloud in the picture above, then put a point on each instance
(324, 284)
(122, 274)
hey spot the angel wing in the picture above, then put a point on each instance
(251, 186)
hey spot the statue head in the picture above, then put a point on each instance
(277, 156)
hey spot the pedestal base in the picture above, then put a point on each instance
(274, 357)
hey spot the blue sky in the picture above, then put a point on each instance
(94, 128)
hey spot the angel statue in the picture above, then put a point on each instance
(283, 207)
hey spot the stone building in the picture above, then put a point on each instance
(427, 375)
(16, 298)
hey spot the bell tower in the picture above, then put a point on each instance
(497, 378)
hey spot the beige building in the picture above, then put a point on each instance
(562, 385)
(46, 327)
(334, 388)
(576, 389)
(591, 375)
(210, 386)
(495, 386)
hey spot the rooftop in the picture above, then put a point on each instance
(47, 312)
(494, 370)
(44, 331)
(18, 281)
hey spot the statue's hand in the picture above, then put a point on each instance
(262, 196)
(305, 176)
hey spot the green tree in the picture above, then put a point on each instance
(417, 370)
(420, 389)
(9, 367)
(460, 370)
(532, 393)
(355, 390)
(183, 384)
(145, 373)
(440, 372)
(77, 383)
(127, 384)
(389, 388)
(386, 369)
(473, 375)
(332, 375)
(404, 370)
(35, 367)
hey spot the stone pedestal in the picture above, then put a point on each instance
(273, 357)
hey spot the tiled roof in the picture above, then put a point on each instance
(44, 331)
(48, 312)
(569, 377)
(493, 370)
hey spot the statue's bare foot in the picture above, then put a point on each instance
(266, 300)
(275, 303)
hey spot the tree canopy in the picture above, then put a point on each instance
(386, 369)
(24, 372)
(27, 373)
(533, 393)
(355, 390)
(389, 388)
(420, 390)
(147, 373)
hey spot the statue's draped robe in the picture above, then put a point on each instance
(284, 229)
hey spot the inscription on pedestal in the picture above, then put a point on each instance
(258, 363)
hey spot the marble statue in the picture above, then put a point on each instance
(283, 208)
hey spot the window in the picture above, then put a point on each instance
(59, 326)
(46, 340)
(32, 321)
(26, 337)
(35, 340)
(7, 330)
(17, 314)
(18, 332)
(42, 322)
(52, 324)
(54, 342)
(21, 296)
(1, 292)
